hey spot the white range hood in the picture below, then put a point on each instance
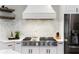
(39, 12)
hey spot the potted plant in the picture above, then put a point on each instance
(17, 34)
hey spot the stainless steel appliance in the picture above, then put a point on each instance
(71, 33)
(44, 41)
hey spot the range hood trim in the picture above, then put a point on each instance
(48, 14)
(39, 16)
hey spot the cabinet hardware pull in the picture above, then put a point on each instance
(76, 9)
(9, 45)
(17, 43)
(30, 50)
(48, 51)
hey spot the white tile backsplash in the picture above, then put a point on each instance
(38, 27)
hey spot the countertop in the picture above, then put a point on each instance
(18, 40)
(11, 40)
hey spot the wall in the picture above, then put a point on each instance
(29, 27)
(38, 27)
(6, 25)
(61, 21)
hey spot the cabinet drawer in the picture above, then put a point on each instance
(60, 48)
(18, 47)
(71, 9)
(44, 50)
(54, 50)
(35, 51)
(48, 50)
(10, 45)
(30, 50)
(24, 50)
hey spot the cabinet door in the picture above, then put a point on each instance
(30, 50)
(53, 50)
(60, 48)
(77, 8)
(45, 50)
(48, 50)
(3, 46)
(35, 50)
(10, 45)
(18, 47)
(71, 9)
(24, 50)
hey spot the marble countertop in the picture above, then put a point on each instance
(11, 40)
(18, 40)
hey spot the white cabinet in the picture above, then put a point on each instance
(10, 45)
(39, 50)
(60, 48)
(24, 50)
(54, 50)
(35, 50)
(48, 50)
(71, 9)
(18, 47)
(43, 50)
(30, 50)
(3, 46)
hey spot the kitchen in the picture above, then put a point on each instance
(37, 31)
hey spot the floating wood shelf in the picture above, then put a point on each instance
(13, 38)
(5, 17)
(7, 10)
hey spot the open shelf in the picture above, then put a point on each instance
(6, 13)
(7, 10)
(5, 17)
(13, 38)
